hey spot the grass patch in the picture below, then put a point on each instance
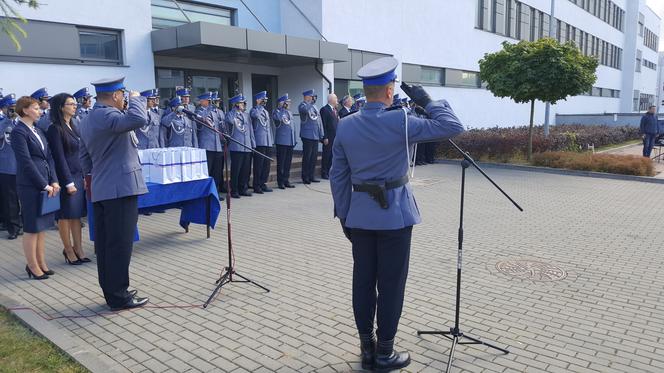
(613, 146)
(610, 163)
(23, 351)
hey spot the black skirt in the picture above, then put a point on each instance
(72, 206)
(30, 199)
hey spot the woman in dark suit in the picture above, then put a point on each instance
(63, 139)
(35, 172)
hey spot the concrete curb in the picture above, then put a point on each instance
(560, 171)
(82, 354)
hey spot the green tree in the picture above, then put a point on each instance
(543, 70)
(9, 21)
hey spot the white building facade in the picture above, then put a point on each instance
(294, 45)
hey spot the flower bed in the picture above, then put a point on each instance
(611, 163)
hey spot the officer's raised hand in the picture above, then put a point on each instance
(134, 94)
(417, 94)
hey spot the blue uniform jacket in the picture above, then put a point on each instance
(108, 150)
(150, 136)
(7, 158)
(208, 139)
(239, 127)
(44, 121)
(82, 112)
(35, 167)
(311, 127)
(260, 120)
(285, 133)
(371, 147)
(179, 131)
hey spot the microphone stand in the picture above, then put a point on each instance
(226, 275)
(455, 334)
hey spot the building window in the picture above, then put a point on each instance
(462, 78)
(606, 10)
(100, 45)
(650, 39)
(645, 101)
(165, 13)
(650, 65)
(639, 55)
(167, 80)
(431, 75)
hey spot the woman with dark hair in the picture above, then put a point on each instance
(35, 172)
(63, 138)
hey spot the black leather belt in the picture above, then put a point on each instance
(378, 190)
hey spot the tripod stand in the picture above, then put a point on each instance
(226, 276)
(455, 334)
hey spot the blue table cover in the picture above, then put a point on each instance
(191, 196)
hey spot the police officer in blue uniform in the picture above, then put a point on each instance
(149, 136)
(359, 101)
(42, 96)
(177, 128)
(8, 196)
(217, 112)
(285, 140)
(374, 202)
(185, 96)
(238, 124)
(109, 153)
(311, 132)
(84, 100)
(212, 142)
(260, 120)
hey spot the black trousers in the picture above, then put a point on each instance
(215, 162)
(261, 167)
(11, 210)
(430, 151)
(309, 158)
(380, 261)
(326, 162)
(284, 160)
(420, 154)
(240, 171)
(115, 224)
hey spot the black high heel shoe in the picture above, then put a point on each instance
(32, 275)
(82, 260)
(50, 272)
(70, 262)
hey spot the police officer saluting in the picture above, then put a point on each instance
(239, 127)
(285, 140)
(185, 95)
(108, 152)
(149, 136)
(311, 132)
(260, 120)
(374, 202)
(211, 141)
(84, 100)
(9, 205)
(177, 128)
(42, 96)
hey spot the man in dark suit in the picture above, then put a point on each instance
(330, 118)
(109, 153)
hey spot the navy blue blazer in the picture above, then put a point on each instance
(34, 165)
(67, 161)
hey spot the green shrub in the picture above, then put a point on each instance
(610, 163)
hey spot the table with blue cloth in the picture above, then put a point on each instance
(197, 199)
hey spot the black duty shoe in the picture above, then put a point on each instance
(289, 185)
(235, 195)
(368, 350)
(387, 359)
(306, 182)
(246, 193)
(315, 181)
(221, 198)
(258, 190)
(281, 186)
(132, 293)
(326, 177)
(134, 302)
(12, 236)
(265, 188)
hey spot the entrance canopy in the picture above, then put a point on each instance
(210, 41)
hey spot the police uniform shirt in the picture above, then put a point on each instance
(370, 147)
(149, 136)
(181, 131)
(260, 120)
(285, 134)
(7, 158)
(239, 127)
(311, 127)
(208, 139)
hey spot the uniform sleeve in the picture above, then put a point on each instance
(84, 156)
(24, 160)
(303, 111)
(136, 116)
(194, 134)
(253, 138)
(55, 143)
(443, 124)
(4, 123)
(340, 181)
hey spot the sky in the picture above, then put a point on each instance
(658, 7)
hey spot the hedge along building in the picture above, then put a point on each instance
(292, 45)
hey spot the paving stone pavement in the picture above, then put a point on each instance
(606, 314)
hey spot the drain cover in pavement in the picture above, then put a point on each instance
(532, 270)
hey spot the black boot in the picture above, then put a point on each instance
(387, 359)
(368, 350)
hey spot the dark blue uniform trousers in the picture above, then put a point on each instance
(380, 261)
(261, 167)
(115, 224)
(648, 144)
(309, 159)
